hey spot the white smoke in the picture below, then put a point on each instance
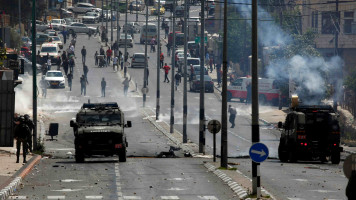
(23, 96)
(308, 72)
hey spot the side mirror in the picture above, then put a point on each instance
(129, 124)
(72, 123)
(280, 125)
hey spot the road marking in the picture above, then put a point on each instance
(295, 198)
(56, 197)
(67, 190)
(322, 191)
(176, 189)
(301, 180)
(94, 197)
(208, 197)
(68, 180)
(117, 182)
(17, 197)
(132, 197)
(169, 197)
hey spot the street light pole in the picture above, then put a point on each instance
(146, 60)
(34, 81)
(20, 16)
(112, 34)
(102, 13)
(202, 86)
(224, 93)
(185, 107)
(117, 22)
(136, 12)
(107, 17)
(173, 67)
(125, 55)
(256, 189)
(158, 61)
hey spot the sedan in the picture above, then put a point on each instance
(91, 18)
(138, 59)
(128, 40)
(195, 83)
(50, 32)
(57, 40)
(180, 57)
(80, 28)
(154, 11)
(55, 79)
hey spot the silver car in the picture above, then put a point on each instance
(80, 28)
(138, 59)
(128, 40)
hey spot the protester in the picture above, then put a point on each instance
(166, 71)
(103, 86)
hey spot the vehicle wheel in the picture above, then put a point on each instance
(262, 99)
(79, 156)
(335, 157)
(292, 157)
(122, 155)
(282, 153)
(229, 96)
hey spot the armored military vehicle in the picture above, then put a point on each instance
(310, 132)
(99, 130)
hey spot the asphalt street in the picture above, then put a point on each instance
(143, 176)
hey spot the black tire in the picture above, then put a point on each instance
(282, 153)
(335, 158)
(79, 156)
(229, 96)
(122, 155)
(292, 156)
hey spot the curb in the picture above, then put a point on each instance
(18, 176)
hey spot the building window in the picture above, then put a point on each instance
(329, 22)
(348, 20)
(315, 20)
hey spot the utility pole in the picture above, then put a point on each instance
(173, 67)
(256, 183)
(20, 16)
(185, 107)
(336, 51)
(136, 12)
(107, 17)
(34, 81)
(158, 61)
(146, 60)
(102, 13)
(112, 34)
(224, 94)
(202, 86)
(125, 52)
(117, 22)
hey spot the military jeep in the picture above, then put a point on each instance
(99, 130)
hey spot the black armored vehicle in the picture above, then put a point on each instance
(99, 130)
(310, 132)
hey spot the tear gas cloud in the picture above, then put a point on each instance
(23, 96)
(307, 72)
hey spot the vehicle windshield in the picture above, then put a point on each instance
(139, 56)
(55, 21)
(193, 62)
(99, 118)
(54, 74)
(48, 50)
(206, 78)
(56, 39)
(123, 36)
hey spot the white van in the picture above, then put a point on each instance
(151, 32)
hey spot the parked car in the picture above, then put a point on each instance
(52, 50)
(57, 40)
(137, 5)
(180, 57)
(41, 38)
(128, 40)
(82, 8)
(66, 13)
(154, 11)
(41, 26)
(131, 27)
(194, 83)
(80, 28)
(57, 24)
(195, 71)
(91, 18)
(138, 59)
(50, 32)
(179, 11)
(55, 79)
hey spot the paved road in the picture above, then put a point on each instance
(143, 177)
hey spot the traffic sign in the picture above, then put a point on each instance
(214, 126)
(258, 152)
(349, 165)
(197, 39)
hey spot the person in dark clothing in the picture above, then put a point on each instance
(103, 86)
(31, 126)
(96, 58)
(232, 117)
(166, 30)
(83, 85)
(70, 79)
(178, 78)
(21, 133)
(65, 66)
(351, 185)
(85, 70)
(102, 51)
(148, 73)
(64, 55)
(84, 54)
(248, 88)
(71, 65)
